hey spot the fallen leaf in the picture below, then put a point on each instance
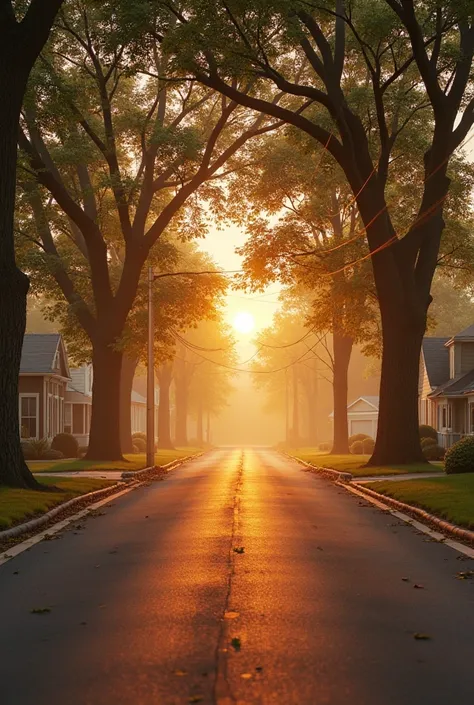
(406, 580)
(196, 699)
(235, 643)
(239, 549)
(421, 637)
(259, 669)
(16, 572)
(231, 615)
(178, 672)
(246, 676)
(40, 610)
(465, 575)
(418, 587)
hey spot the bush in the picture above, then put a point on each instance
(37, 448)
(66, 444)
(28, 451)
(325, 447)
(425, 442)
(368, 445)
(428, 432)
(357, 448)
(140, 444)
(460, 457)
(433, 452)
(357, 437)
(141, 436)
(52, 454)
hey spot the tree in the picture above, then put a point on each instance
(23, 33)
(353, 76)
(114, 148)
(315, 243)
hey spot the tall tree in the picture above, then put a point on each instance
(353, 76)
(113, 151)
(24, 30)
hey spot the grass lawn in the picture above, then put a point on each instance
(354, 463)
(450, 497)
(132, 462)
(18, 505)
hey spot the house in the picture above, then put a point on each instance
(78, 404)
(138, 412)
(446, 386)
(362, 416)
(44, 376)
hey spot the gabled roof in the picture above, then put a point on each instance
(137, 398)
(372, 400)
(38, 355)
(436, 359)
(466, 334)
(454, 387)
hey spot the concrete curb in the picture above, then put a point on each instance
(45, 518)
(443, 525)
(131, 474)
(328, 473)
(37, 523)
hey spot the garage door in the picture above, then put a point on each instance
(361, 426)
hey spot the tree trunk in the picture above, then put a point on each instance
(104, 441)
(296, 406)
(13, 291)
(181, 432)
(342, 346)
(199, 425)
(398, 439)
(126, 384)
(208, 430)
(164, 422)
(311, 390)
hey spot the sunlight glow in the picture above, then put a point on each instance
(244, 322)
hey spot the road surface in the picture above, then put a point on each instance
(151, 605)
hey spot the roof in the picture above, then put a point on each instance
(372, 400)
(461, 384)
(38, 354)
(436, 359)
(137, 398)
(466, 334)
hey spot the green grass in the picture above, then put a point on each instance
(354, 463)
(131, 462)
(19, 505)
(450, 497)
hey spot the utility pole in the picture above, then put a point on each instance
(287, 409)
(150, 393)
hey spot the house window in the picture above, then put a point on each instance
(471, 418)
(78, 419)
(29, 415)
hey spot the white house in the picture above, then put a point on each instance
(362, 416)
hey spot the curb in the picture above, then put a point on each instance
(442, 524)
(327, 473)
(45, 518)
(131, 474)
(29, 526)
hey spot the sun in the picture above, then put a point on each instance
(244, 322)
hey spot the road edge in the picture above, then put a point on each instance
(328, 473)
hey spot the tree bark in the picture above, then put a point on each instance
(129, 366)
(164, 412)
(104, 440)
(13, 288)
(398, 439)
(342, 346)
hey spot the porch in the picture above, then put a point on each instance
(455, 418)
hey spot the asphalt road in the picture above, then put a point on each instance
(151, 605)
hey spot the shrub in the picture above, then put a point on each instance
(52, 454)
(140, 435)
(368, 445)
(357, 448)
(433, 452)
(325, 447)
(460, 457)
(357, 437)
(425, 442)
(28, 451)
(428, 432)
(38, 447)
(140, 444)
(66, 444)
